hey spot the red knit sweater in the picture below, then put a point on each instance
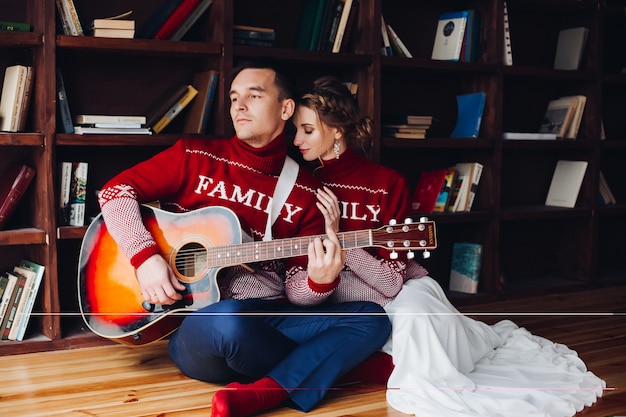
(370, 196)
(195, 173)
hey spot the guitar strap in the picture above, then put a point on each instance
(284, 185)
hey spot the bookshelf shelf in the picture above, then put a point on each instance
(25, 236)
(21, 139)
(138, 46)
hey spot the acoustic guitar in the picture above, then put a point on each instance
(197, 245)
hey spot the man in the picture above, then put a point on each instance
(253, 331)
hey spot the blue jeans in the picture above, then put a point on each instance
(305, 349)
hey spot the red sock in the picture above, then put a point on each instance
(377, 368)
(242, 400)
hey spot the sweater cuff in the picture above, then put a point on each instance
(323, 288)
(140, 257)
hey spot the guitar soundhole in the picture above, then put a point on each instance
(191, 260)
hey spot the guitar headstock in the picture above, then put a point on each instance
(408, 236)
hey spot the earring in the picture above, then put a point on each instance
(336, 149)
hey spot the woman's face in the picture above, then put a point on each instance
(314, 138)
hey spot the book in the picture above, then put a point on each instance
(112, 33)
(112, 23)
(428, 188)
(558, 116)
(86, 119)
(470, 109)
(35, 271)
(449, 36)
(254, 32)
(14, 26)
(443, 199)
(156, 19)
(70, 16)
(566, 182)
(175, 20)
(570, 47)
(64, 187)
(175, 110)
(574, 126)
(470, 48)
(528, 136)
(9, 318)
(331, 24)
(386, 50)
(405, 119)
(21, 305)
(197, 120)
(605, 191)
(13, 185)
(399, 48)
(64, 116)
(13, 88)
(9, 282)
(193, 17)
(474, 179)
(465, 267)
(22, 117)
(311, 17)
(78, 193)
(507, 53)
(343, 23)
(89, 130)
(164, 103)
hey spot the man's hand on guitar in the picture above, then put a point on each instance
(158, 282)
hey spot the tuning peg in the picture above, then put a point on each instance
(410, 255)
(423, 219)
(393, 222)
(408, 220)
(426, 254)
(393, 255)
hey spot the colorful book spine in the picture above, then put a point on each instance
(9, 318)
(78, 193)
(175, 109)
(156, 20)
(176, 19)
(191, 20)
(30, 297)
(63, 108)
(15, 27)
(466, 266)
(14, 183)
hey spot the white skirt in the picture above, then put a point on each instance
(449, 365)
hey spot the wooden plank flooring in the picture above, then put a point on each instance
(121, 381)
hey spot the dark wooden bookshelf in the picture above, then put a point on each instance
(530, 249)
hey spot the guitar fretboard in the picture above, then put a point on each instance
(249, 252)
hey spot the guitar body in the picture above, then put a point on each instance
(110, 298)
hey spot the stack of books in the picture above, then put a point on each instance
(253, 35)
(405, 126)
(15, 99)
(72, 193)
(18, 291)
(392, 44)
(112, 28)
(327, 25)
(173, 19)
(451, 189)
(100, 124)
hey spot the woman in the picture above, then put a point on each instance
(446, 364)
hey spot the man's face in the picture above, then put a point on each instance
(257, 115)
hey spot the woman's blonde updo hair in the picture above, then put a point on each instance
(336, 107)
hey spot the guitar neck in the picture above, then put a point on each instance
(250, 252)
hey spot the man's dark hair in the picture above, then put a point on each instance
(283, 79)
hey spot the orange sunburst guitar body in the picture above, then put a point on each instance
(197, 245)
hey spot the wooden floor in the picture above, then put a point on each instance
(120, 381)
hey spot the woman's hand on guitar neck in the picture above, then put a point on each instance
(158, 283)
